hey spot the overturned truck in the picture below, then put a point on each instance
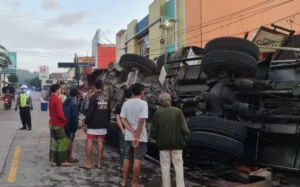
(237, 107)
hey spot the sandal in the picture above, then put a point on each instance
(74, 160)
(121, 185)
(98, 167)
(84, 167)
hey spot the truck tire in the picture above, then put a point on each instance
(233, 44)
(216, 142)
(146, 65)
(239, 63)
(232, 129)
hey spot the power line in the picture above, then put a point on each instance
(233, 34)
(104, 36)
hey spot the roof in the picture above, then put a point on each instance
(293, 42)
(121, 32)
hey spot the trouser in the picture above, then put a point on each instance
(165, 162)
(25, 117)
(121, 148)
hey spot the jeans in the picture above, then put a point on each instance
(166, 156)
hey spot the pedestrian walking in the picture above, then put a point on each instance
(170, 131)
(24, 102)
(133, 115)
(97, 120)
(70, 111)
(127, 95)
(57, 123)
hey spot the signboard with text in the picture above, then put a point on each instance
(44, 72)
(269, 37)
(12, 68)
(86, 61)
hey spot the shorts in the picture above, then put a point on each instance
(70, 135)
(92, 136)
(135, 153)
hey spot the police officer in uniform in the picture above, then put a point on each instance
(24, 102)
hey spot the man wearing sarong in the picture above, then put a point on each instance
(59, 142)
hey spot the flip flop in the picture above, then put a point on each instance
(66, 165)
(84, 167)
(120, 184)
(74, 160)
(98, 167)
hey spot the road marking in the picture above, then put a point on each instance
(14, 165)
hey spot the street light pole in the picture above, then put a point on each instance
(76, 69)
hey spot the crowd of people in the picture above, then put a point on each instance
(168, 128)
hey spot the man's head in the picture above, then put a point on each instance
(98, 84)
(24, 88)
(165, 99)
(89, 90)
(127, 94)
(138, 90)
(74, 93)
(55, 89)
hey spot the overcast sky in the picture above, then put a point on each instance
(44, 32)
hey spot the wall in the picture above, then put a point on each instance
(156, 10)
(121, 38)
(181, 24)
(142, 24)
(202, 11)
(106, 54)
(131, 42)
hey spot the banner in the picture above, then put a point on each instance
(86, 61)
(12, 68)
(44, 72)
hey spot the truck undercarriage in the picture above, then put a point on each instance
(237, 108)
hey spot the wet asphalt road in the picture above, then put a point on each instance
(33, 169)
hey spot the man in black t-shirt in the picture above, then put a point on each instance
(127, 95)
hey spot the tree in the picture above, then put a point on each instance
(35, 82)
(13, 78)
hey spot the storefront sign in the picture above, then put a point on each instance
(268, 37)
(11, 68)
(86, 61)
(44, 72)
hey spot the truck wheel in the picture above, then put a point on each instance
(233, 44)
(232, 129)
(147, 66)
(215, 142)
(239, 63)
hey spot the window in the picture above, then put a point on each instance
(144, 46)
(171, 35)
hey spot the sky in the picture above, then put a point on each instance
(44, 32)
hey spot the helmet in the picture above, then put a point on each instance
(23, 87)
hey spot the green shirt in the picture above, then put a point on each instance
(169, 128)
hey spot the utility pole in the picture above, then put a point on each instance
(291, 21)
(76, 70)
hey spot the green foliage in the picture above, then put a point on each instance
(26, 75)
(35, 82)
(13, 78)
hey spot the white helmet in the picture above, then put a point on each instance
(24, 87)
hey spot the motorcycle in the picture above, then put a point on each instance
(7, 102)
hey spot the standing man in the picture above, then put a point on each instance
(70, 111)
(127, 95)
(133, 115)
(97, 120)
(170, 131)
(24, 102)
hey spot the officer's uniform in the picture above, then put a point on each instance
(24, 102)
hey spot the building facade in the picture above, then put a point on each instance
(121, 39)
(172, 24)
(103, 53)
(156, 32)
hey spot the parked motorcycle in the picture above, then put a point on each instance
(7, 102)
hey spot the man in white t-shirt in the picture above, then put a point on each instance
(133, 115)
